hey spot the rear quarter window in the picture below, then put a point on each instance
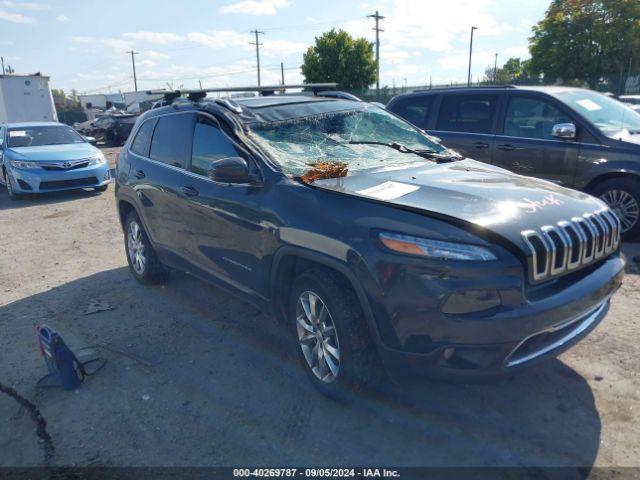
(141, 142)
(171, 142)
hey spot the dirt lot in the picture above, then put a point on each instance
(194, 377)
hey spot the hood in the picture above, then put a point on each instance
(481, 194)
(71, 151)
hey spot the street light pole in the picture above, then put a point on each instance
(495, 70)
(470, 53)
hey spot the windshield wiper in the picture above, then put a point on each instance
(396, 146)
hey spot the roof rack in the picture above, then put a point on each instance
(195, 95)
(462, 87)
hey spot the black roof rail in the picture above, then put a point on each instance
(264, 90)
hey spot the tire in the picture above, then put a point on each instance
(102, 188)
(623, 197)
(144, 265)
(356, 366)
(7, 182)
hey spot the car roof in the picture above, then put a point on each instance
(31, 124)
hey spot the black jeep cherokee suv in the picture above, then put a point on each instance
(574, 137)
(377, 246)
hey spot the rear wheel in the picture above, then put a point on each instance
(623, 197)
(334, 345)
(143, 261)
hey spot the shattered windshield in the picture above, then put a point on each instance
(353, 140)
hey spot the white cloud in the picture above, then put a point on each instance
(62, 18)
(283, 48)
(16, 18)
(114, 44)
(154, 55)
(157, 38)
(460, 60)
(255, 7)
(147, 63)
(26, 5)
(219, 39)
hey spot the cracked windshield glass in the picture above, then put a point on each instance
(358, 139)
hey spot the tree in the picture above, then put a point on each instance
(338, 57)
(588, 41)
(68, 108)
(513, 71)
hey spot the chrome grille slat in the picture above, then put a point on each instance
(557, 249)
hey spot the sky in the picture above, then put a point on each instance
(84, 44)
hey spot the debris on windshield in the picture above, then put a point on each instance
(322, 170)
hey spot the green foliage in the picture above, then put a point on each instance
(514, 71)
(69, 109)
(587, 41)
(338, 57)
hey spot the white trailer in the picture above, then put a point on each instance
(26, 98)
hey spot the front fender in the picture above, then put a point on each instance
(604, 168)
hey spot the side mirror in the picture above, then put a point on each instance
(91, 140)
(566, 131)
(230, 170)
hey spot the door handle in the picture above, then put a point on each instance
(481, 145)
(139, 174)
(507, 148)
(189, 191)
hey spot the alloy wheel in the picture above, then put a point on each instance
(135, 247)
(318, 337)
(624, 205)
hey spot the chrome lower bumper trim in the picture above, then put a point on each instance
(583, 321)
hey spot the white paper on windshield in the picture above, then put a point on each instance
(588, 104)
(388, 190)
(18, 133)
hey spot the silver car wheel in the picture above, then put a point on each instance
(624, 205)
(318, 337)
(135, 248)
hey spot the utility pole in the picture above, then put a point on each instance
(257, 44)
(495, 70)
(470, 52)
(377, 29)
(2, 58)
(133, 63)
(282, 72)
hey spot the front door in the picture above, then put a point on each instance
(466, 123)
(525, 144)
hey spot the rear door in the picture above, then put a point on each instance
(525, 144)
(466, 123)
(227, 237)
(157, 178)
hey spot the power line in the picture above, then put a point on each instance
(133, 63)
(257, 44)
(377, 29)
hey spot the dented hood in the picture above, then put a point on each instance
(474, 192)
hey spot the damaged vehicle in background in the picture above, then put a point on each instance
(378, 248)
(111, 128)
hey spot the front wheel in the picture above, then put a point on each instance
(334, 345)
(143, 261)
(12, 194)
(623, 197)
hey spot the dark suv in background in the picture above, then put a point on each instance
(574, 137)
(375, 245)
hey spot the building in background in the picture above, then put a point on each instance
(26, 98)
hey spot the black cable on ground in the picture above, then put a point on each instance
(38, 419)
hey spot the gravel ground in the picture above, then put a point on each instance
(196, 378)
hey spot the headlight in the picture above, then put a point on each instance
(24, 165)
(436, 249)
(97, 159)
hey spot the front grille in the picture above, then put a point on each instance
(556, 249)
(76, 182)
(62, 165)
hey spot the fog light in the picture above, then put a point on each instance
(471, 301)
(107, 175)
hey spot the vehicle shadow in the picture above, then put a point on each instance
(197, 378)
(48, 198)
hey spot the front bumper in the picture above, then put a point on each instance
(507, 339)
(40, 180)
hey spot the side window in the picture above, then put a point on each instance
(532, 118)
(140, 144)
(209, 144)
(414, 109)
(467, 113)
(172, 139)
